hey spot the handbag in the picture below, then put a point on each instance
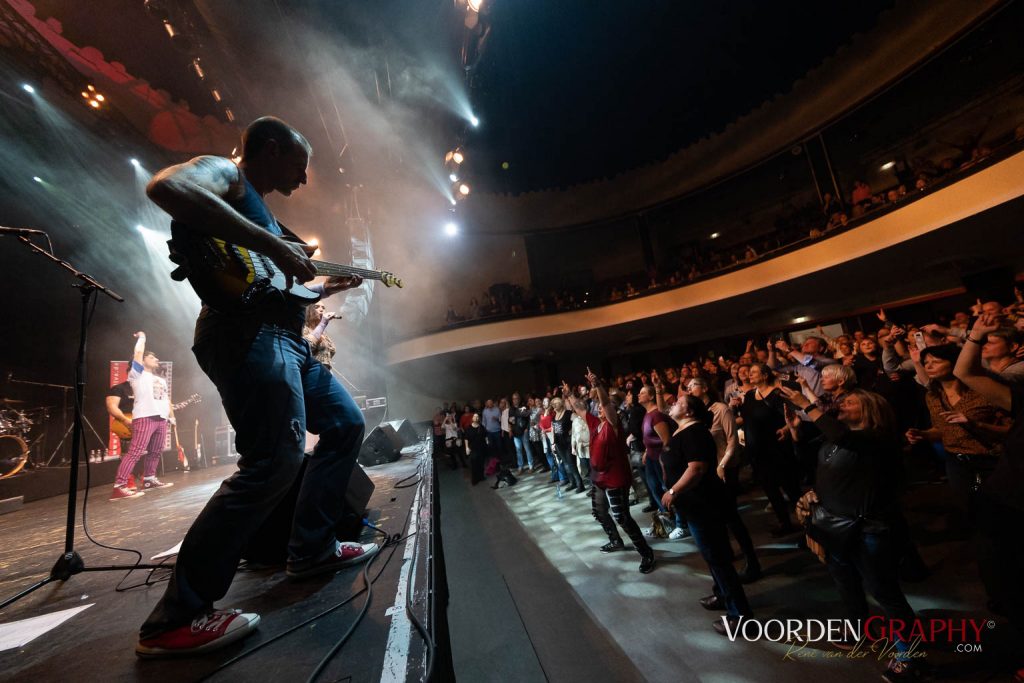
(832, 531)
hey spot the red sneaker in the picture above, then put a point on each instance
(346, 555)
(121, 492)
(207, 632)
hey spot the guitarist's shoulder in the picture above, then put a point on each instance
(216, 173)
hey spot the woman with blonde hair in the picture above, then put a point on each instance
(314, 330)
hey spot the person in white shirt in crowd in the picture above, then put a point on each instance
(580, 444)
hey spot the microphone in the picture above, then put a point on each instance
(20, 231)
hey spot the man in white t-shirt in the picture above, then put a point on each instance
(151, 413)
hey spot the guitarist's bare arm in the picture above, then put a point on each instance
(193, 194)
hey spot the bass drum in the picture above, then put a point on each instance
(13, 455)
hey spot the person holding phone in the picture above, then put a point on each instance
(806, 362)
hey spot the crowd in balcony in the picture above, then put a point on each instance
(794, 225)
(834, 430)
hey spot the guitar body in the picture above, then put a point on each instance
(123, 431)
(228, 277)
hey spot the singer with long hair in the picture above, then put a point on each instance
(315, 332)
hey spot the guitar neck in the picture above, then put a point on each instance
(330, 269)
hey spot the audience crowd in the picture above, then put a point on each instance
(793, 224)
(830, 429)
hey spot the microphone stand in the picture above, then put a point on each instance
(70, 562)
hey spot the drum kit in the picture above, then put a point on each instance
(20, 428)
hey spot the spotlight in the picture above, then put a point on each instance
(451, 229)
(91, 88)
(715, 235)
(475, 4)
(801, 319)
(887, 165)
(134, 162)
(464, 190)
(99, 97)
(474, 121)
(452, 177)
(140, 227)
(504, 165)
(457, 157)
(37, 179)
(94, 104)
(453, 201)
(28, 88)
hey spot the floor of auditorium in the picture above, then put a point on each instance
(532, 599)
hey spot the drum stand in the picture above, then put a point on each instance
(103, 444)
(70, 562)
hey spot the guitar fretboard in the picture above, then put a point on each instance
(326, 268)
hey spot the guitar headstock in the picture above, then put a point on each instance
(390, 280)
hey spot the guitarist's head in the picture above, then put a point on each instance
(150, 361)
(274, 156)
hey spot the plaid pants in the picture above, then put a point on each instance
(149, 434)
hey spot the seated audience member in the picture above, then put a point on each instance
(851, 509)
(705, 501)
(611, 476)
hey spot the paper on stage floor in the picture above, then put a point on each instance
(20, 633)
(170, 552)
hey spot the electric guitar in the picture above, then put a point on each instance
(182, 460)
(228, 277)
(124, 431)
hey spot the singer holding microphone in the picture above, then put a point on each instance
(315, 332)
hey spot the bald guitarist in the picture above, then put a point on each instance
(272, 389)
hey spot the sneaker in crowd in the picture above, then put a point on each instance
(122, 492)
(679, 533)
(649, 532)
(345, 555)
(211, 631)
(647, 562)
(154, 483)
(612, 546)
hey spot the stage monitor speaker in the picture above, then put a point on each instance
(224, 445)
(406, 432)
(379, 447)
(269, 545)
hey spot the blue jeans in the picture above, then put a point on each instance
(712, 539)
(557, 473)
(523, 453)
(656, 486)
(273, 391)
(871, 563)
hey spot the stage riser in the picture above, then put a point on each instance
(44, 482)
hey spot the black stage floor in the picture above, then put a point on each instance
(97, 643)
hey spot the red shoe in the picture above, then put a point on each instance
(207, 632)
(122, 492)
(346, 555)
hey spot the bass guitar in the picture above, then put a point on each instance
(228, 277)
(124, 431)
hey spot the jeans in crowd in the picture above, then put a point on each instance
(776, 472)
(871, 563)
(655, 478)
(712, 539)
(524, 455)
(557, 473)
(734, 521)
(273, 391)
(572, 473)
(613, 504)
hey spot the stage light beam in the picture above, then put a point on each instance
(464, 190)
(453, 177)
(474, 121)
(28, 88)
(37, 179)
(451, 229)
(134, 162)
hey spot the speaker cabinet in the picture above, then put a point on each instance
(380, 447)
(406, 432)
